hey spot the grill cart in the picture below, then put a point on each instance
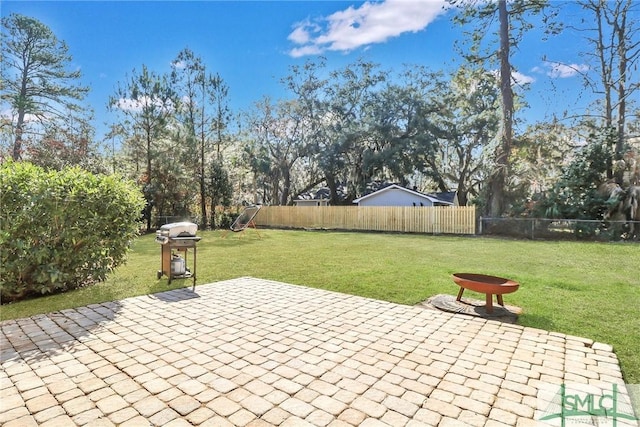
(175, 241)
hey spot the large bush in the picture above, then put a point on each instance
(576, 195)
(60, 230)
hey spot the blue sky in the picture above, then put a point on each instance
(252, 44)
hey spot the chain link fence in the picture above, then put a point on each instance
(525, 228)
(223, 218)
(560, 229)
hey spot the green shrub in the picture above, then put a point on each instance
(225, 218)
(60, 230)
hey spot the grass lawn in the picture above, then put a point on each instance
(590, 290)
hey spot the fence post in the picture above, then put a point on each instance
(533, 228)
(480, 226)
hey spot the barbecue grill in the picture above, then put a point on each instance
(175, 241)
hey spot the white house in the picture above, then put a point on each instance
(395, 195)
(447, 196)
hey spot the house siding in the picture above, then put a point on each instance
(394, 197)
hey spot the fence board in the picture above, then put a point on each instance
(408, 219)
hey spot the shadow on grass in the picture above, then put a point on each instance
(239, 237)
(564, 286)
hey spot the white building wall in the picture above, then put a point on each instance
(394, 198)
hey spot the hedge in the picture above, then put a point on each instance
(60, 230)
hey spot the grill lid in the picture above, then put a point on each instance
(178, 229)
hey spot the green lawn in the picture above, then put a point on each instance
(586, 289)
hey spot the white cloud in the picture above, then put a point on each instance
(9, 116)
(517, 77)
(137, 105)
(557, 70)
(127, 104)
(6, 114)
(180, 65)
(368, 24)
(305, 50)
(521, 79)
(301, 33)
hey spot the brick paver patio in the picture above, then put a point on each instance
(256, 352)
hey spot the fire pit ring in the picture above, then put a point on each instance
(485, 284)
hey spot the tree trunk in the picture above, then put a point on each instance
(498, 178)
(622, 93)
(286, 186)
(606, 76)
(17, 145)
(203, 189)
(213, 213)
(333, 190)
(463, 196)
(149, 177)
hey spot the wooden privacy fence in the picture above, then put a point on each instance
(408, 219)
